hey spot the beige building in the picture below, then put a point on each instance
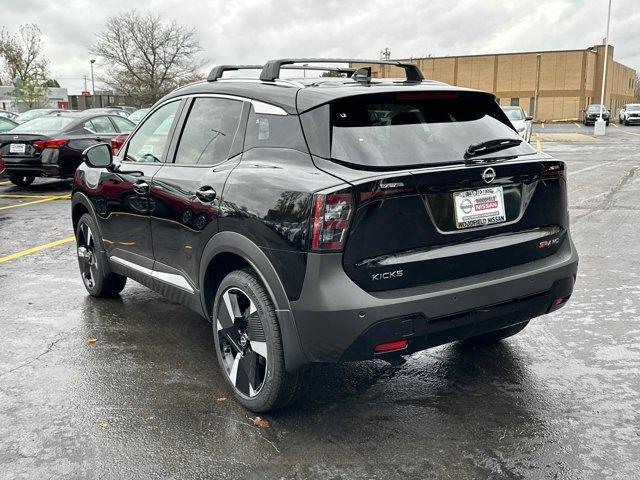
(561, 83)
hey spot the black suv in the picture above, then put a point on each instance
(328, 219)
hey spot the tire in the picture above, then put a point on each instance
(607, 123)
(249, 345)
(94, 268)
(21, 180)
(496, 336)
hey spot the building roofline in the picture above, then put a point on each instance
(529, 52)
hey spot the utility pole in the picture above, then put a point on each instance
(385, 54)
(600, 126)
(537, 92)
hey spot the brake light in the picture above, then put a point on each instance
(55, 143)
(331, 215)
(117, 142)
(1, 164)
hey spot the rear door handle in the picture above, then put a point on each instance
(141, 187)
(206, 193)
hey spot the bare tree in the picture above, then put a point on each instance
(24, 65)
(145, 57)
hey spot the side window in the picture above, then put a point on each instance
(209, 131)
(265, 130)
(151, 140)
(123, 126)
(101, 125)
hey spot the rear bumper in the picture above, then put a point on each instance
(633, 120)
(336, 320)
(44, 166)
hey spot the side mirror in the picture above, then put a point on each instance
(98, 156)
(529, 117)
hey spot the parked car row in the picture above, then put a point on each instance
(51, 145)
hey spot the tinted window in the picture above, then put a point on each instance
(45, 124)
(122, 124)
(209, 131)
(5, 125)
(281, 131)
(418, 128)
(99, 125)
(150, 142)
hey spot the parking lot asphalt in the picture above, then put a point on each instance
(560, 400)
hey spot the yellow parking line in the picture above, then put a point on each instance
(542, 125)
(47, 199)
(577, 124)
(615, 125)
(538, 143)
(20, 195)
(28, 251)
(5, 183)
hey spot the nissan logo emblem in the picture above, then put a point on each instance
(489, 175)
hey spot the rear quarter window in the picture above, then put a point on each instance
(274, 131)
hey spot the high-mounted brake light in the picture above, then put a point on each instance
(117, 142)
(427, 96)
(331, 215)
(55, 143)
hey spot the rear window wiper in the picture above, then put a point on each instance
(490, 146)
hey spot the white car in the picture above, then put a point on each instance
(630, 114)
(520, 120)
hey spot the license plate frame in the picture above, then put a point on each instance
(479, 207)
(18, 148)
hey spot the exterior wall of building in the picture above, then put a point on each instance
(564, 82)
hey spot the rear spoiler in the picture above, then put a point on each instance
(271, 70)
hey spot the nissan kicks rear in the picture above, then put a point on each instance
(328, 220)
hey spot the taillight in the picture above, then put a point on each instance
(1, 164)
(55, 143)
(554, 171)
(117, 142)
(331, 215)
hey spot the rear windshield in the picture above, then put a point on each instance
(46, 124)
(420, 128)
(513, 113)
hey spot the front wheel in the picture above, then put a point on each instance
(496, 336)
(22, 180)
(97, 278)
(249, 346)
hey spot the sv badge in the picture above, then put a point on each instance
(387, 275)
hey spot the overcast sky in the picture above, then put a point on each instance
(250, 31)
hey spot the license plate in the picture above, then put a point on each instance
(17, 148)
(476, 208)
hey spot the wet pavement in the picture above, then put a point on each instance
(560, 400)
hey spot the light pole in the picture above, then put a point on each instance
(93, 85)
(600, 126)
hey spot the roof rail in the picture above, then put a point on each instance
(217, 71)
(271, 70)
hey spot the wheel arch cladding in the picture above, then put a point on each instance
(228, 251)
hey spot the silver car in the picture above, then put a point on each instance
(520, 120)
